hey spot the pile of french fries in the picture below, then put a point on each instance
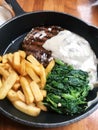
(22, 81)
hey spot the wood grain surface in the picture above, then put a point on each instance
(83, 9)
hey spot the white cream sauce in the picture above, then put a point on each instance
(74, 50)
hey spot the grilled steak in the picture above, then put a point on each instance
(34, 40)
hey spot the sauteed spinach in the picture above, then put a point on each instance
(67, 89)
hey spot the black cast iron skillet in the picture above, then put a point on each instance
(11, 36)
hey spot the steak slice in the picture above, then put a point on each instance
(32, 43)
(41, 54)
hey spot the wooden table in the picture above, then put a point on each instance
(82, 9)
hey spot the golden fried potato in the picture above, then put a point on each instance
(27, 109)
(7, 85)
(16, 60)
(21, 95)
(12, 95)
(36, 91)
(42, 76)
(4, 72)
(41, 106)
(26, 90)
(33, 60)
(23, 68)
(49, 67)
(32, 74)
(22, 54)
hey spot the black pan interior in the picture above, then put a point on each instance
(11, 36)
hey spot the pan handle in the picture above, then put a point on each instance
(16, 7)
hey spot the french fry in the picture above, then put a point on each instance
(6, 66)
(33, 66)
(27, 91)
(16, 86)
(21, 95)
(22, 54)
(2, 65)
(36, 91)
(27, 109)
(33, 60)
(42, 76)
(7, 85)
(28, 79)
(15, 96)
(23, 68)
(4, 58)
(41, 106)
(18, 79)
(0, 58)
(12, 95)
(10, 58)
(4, 72)
(32, 74)
(49, 67)
(0, 82)
(44, 92)
(16, 60)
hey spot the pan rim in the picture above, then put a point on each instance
(48, 125)
(46, 11)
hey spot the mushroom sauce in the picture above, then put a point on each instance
(75, 50)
